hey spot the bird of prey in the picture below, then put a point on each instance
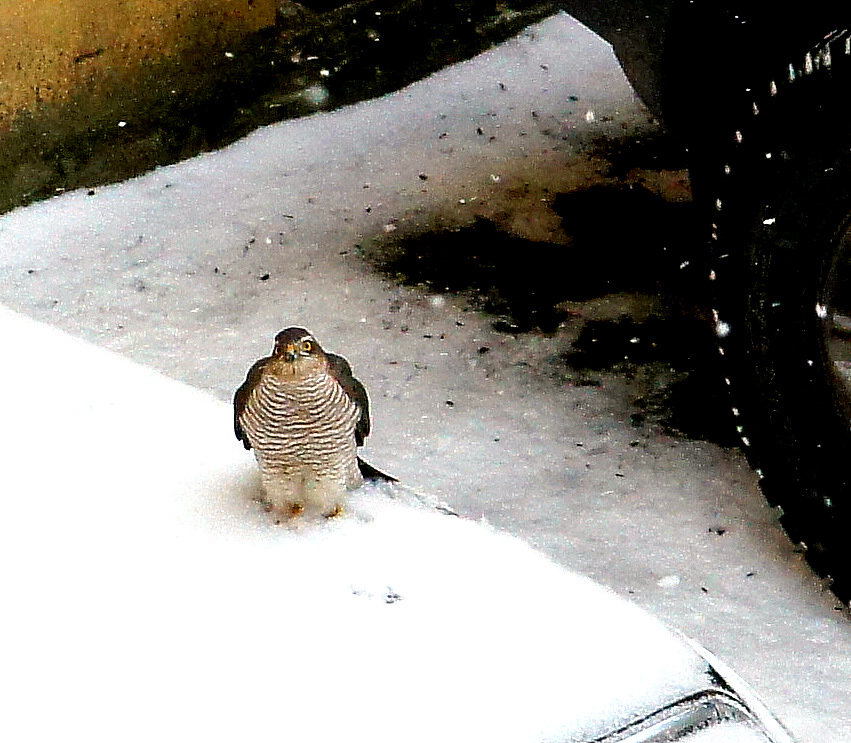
(304, 414)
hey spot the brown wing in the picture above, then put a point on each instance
(342, 372)
(240, 398)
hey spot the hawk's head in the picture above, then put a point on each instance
(297, 353)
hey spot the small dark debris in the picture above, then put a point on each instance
(479, 130)
(750, 574)
(504, 326)
(265, 277)
(704, 589)
(30, 271)
(483, 350)
(391, 597)
(427, 335)
(84, 56)
(619, 474)
(423, 177)
(450, 404)
(719, 530)
(585, 381)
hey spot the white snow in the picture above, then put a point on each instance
(166, 268)
(147, 597)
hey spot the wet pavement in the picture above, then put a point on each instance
(536, 286)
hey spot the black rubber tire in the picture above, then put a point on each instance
(777, 195)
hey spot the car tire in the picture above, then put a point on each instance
(776, 194)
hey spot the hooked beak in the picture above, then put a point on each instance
(290, 353)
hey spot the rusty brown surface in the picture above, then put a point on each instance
(52, 48)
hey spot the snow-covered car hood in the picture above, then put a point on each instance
(147, 595)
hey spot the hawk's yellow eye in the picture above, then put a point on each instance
(307, 346)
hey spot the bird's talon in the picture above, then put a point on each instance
(335, 512)
(296, 509)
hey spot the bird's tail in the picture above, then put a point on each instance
(373, 473)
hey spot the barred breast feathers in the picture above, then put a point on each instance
(309, 417)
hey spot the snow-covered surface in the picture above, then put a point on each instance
(193, 268)
(147, 597)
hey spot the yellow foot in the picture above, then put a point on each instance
(338, 510)
(296, 509)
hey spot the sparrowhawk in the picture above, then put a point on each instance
(304, 414)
